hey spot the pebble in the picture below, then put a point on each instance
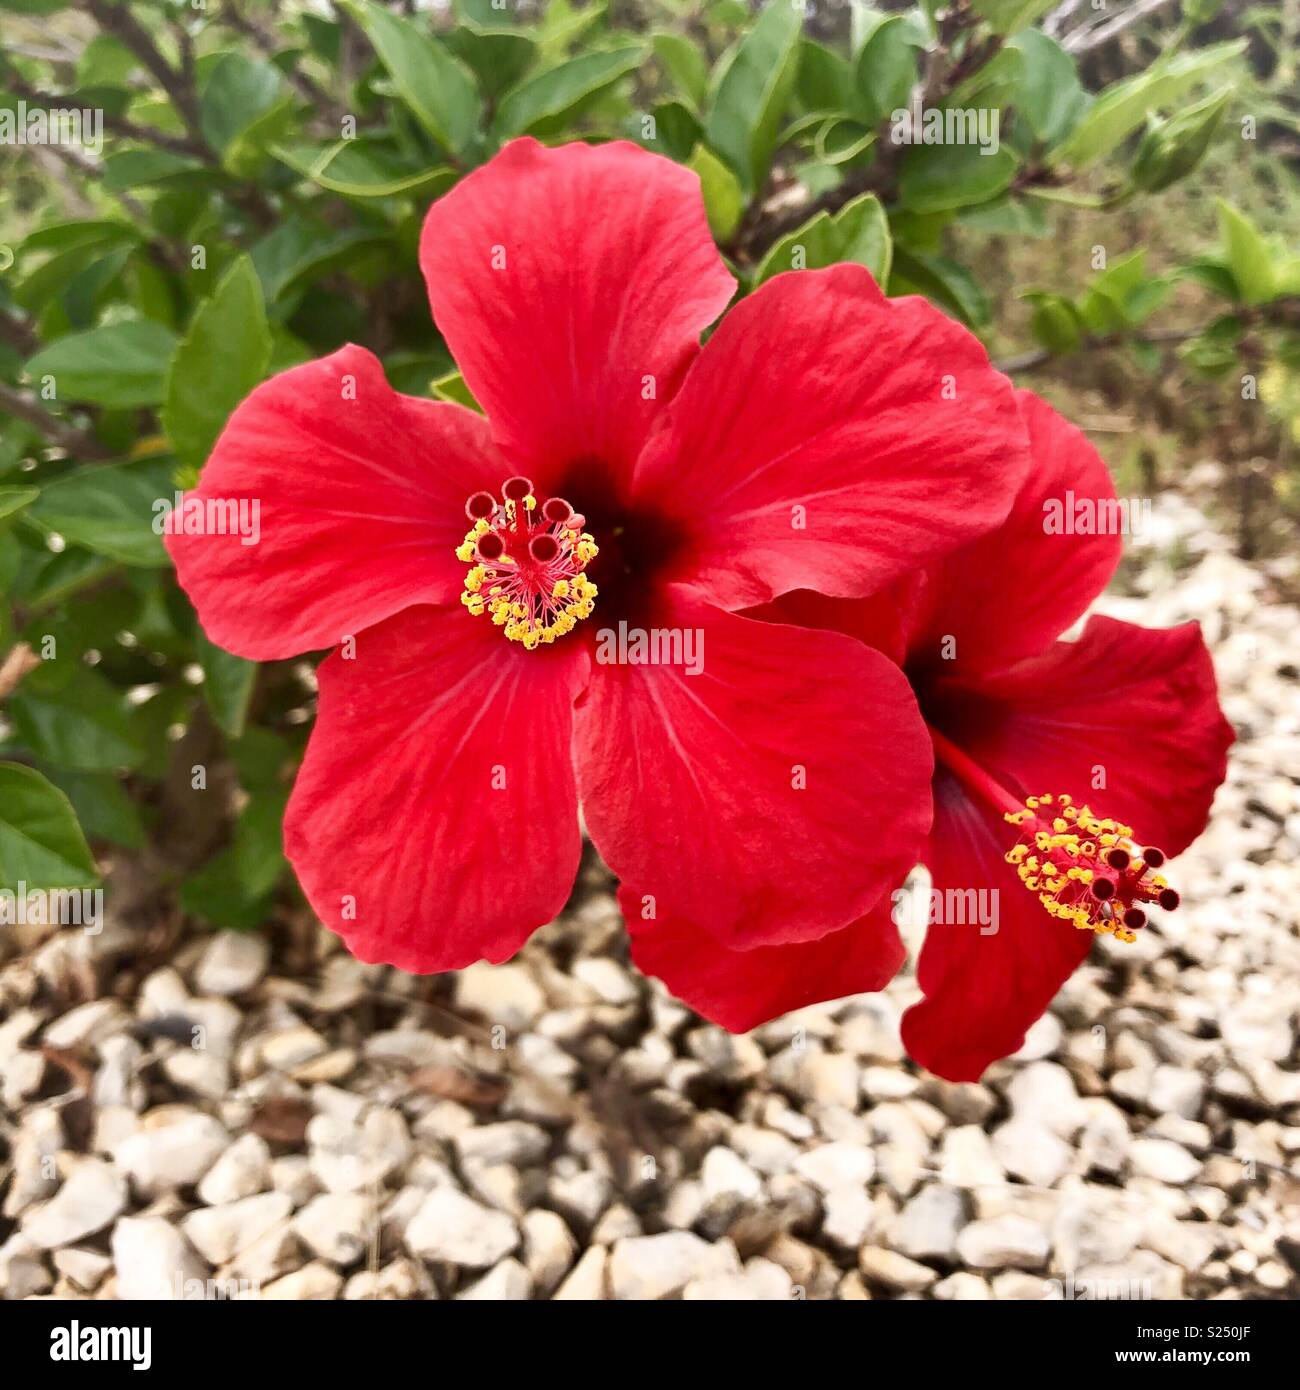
(92, 1195)
(1003, 1242)
(450, 1226)
(173, 1152)
(234, 963)
(654, 1267)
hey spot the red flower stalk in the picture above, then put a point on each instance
(1065, 772)
(826, 438)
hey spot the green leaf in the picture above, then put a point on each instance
(947, 283)
(299, 250)
(233, 887)
(14, 499)
(1054, 321)
(859, 232)
(723, 200)
(1247, 255)
(227, 684)
(108, 509)
(1008, 16)
(104, 810)
(685, 64)
(542, 102)
(750, 92)
(41, 844)
(1121, 108)
(128, 169)
(219, 361)
(825, 79)
(81, 725)
(886, 68)
(119, 364)
(357, 170)
(1049, 94)
(452, 388)
(937, 178)
(243, 105)
(437, 87)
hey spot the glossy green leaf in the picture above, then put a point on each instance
(752, 86)
(938, 178)
(724, 202)
(119, 364)
(108, 509)
(222, 357)
(434, 84)
(548, 97)
(41, 844)
(82, 725)
(859, 232)
(1247, 255)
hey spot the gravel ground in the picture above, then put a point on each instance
(263, 1116)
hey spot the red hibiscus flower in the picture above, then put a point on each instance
(625, 490)
(1065, 772)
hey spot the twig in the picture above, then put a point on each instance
(78, 443)
(19, 661)
(118, 21)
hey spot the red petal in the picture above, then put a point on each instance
(741, 989)
(361, 504)
(1010, 593)
(437, 794)
(609, 277)
(982, 991)
(818, 393)
(1139, 704)
(689, 781)
(1135, 704)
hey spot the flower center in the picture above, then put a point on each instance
(1082, 867)
(1086, 869)
(526, 563)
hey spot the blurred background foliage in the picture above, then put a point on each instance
(257, 201)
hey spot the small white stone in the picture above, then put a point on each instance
(1003, 1242)
(451, 1226)
(233, 963)
(173, 1154)
(725, 1174)
(153, 1261)
(760, 1282)
(888, 1269)
(549, 1248)
(654, 1267)
(839, 1164)
(966, 1159)
(336, 1226)
(220, 1233)
(93, 1194)
(242, 1171)
(313, 1282)
(587, 1281)
(508, 1282)
(515, 1142)
(505, 994)
(607, 979)
(1164, 1160)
